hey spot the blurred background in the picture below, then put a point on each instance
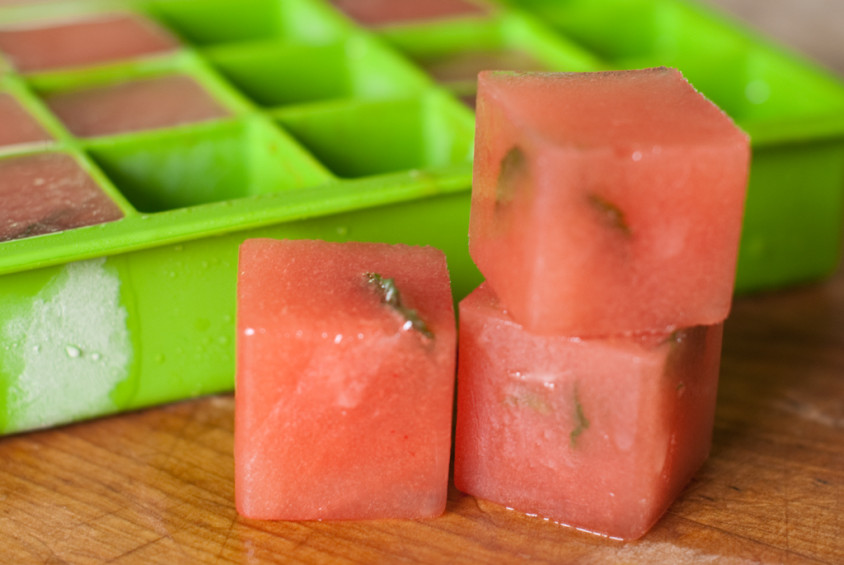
(813, 27)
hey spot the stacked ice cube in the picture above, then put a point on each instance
(606, 214)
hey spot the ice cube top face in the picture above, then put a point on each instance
(49, 192)
(136, 105)
(87, 40)
(386, 12)
(345, 372)
(18, 126)
(606, 202)
(598, 434)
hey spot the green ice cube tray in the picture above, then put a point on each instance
(340, 132)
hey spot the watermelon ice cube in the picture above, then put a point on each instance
(345, 378)
(49, 192)
(81, 41)
(148, 103)
(606, 202)
(600, 434)
(17, 125)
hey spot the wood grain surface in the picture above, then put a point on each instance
(157, 486)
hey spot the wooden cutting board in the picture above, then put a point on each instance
(157, 486)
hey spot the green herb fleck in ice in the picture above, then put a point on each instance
(611, 213)
(581, 422)
(513, 166)
(389, 293)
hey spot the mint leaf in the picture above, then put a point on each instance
(389, 294)
(581, 422)
(513, 166)
(611, 214)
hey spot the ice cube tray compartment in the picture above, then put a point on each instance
(206, 23)
(368, 138)
(385, 14)
(452, 52)
(334, 129)
(20, 125)
(282, 74)
(73, 197)
(164, 171)
(83, 39)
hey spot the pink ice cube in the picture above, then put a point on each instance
(87, 40)
(148, 103)
(345, 380)
(606, 202)
(49, 192)
(600, 434)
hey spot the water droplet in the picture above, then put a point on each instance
(338, 338)
(249, 331)
(73, 351)
(96, 356)
(757, 91)
(36, 348)
(637, 156)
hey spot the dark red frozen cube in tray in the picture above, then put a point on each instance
(385, 12)
(136, 105)
(49, 192)
(16, 125)
(82, 41)
(464, 66)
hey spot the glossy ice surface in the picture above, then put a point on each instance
(606, 202)
(142, 104)
(598, 434)
(343, 404)
(17, 126)
(49, 192)
(83, 41)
